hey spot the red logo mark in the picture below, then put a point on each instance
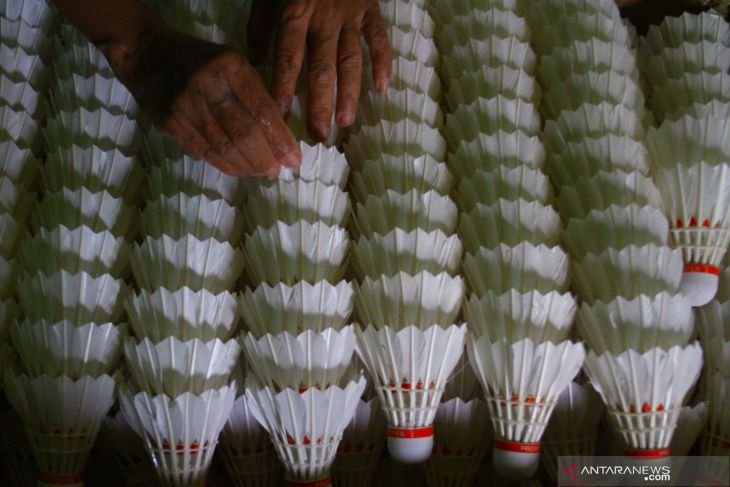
(571, 471)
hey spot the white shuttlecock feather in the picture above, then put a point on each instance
(491, 115)
(94, 92)
(309, 359)
(410, 367)
(524, 267)
(690, 423)
(403, 300)
(305, 427)
(20, 165)
(713, 321)
(61, 418)
(15, 199)
(179, 433)
(362, 443)
(717, 435)
(644, 392)
(630, 272)
(501, 149)
(319, 163)
(401, 137)
(511, 184)
(492, 51)
(193, 177)
(514, 316)
(509, 223)
(397, 105)
(197, 264)
(303, 306)
(593, 121)
(93, 127)
(522, 381)
(410, 252)
(299, 252)
(173, 367)
(23, 65)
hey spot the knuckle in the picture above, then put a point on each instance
(322, 72)
(350, 59)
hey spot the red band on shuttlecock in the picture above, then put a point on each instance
(324, 482)
(517, 447)
(702, 269)
(660, 453)
(55, 479)
(410, 433)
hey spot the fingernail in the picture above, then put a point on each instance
(292, 159)
(283, 108)
(382, 85)
(346, 117)
(321, 131)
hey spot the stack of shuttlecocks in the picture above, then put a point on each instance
(686, 64)
(407, 255)
(26, 34)
(218, 21)
(519, 312)
(298, 341)
(632, 316)
(72, 288)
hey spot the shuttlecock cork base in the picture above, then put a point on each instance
(410, 445)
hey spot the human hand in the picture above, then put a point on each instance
(330, 30)
(209, 99)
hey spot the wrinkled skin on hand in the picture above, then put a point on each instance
(210, 100)
(329, 31)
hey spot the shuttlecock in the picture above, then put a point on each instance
(408, 16)
(615, 227)
(524, 267)
(490, 115)
(409, 73)
(184, 314)
(493, 51)
(688, 141)
(410, 367)
(409, 211)
(509, 223)
(574, 90)
(22, 97)
(640, 324)
(644, 392)
(20, 127)
(362, 442)
(503, 183)
(299, 252)
(319, 163)
(65, 349)
(689, 27)
(305, 427)
(173, 367)
(444, 13)
(581, 26)
(92, 168)
(514, 315)
(605, 189)
(629, 272)
(98, 212)
(663, 63)
(406, 136)
(408, 252)
(410, 44)
(78, 298)
(303, 306)
(246, 449)
(690, 423)
(573, 161)
(397, 105)
(8, 272)
(180, 433)
(10, 232)
(19, 165)
(717, 435)
(82, 58)
(94, 92)
(593, 121)
(299, 123)
(461, 440)
(573, 425)
(19, 33)
(193, 177)
(522, 381)
(197, 264)
(22, 65)
(501, 149)
(400, 173)
(713, 321)
(61, 418)
(698, 208)
(702, 87)
(403, 300)
(290, 202)
(76, 250)
(593, 55)
(512, 83)
(15, 199)
(309, 359)
(93, 127)
(481, 24)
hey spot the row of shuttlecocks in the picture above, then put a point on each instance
(685, 60)
(627, 268)
(407, 255)
(71, 263)
(519, 310)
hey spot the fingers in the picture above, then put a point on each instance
(322, 73)
(349, 70)
(251, 93)
(289, 55)
(260, 30)
(376, 35)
